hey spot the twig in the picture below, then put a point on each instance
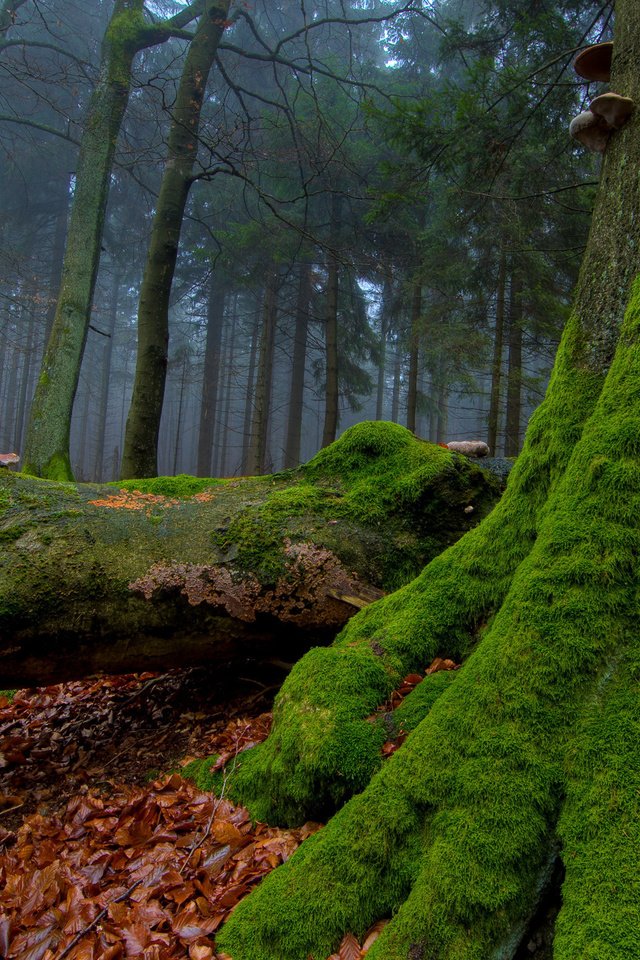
(100, 916)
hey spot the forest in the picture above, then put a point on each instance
(320, 411)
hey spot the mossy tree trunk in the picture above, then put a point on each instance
(189, 570)
(140, 452)
(532, 748)
(47, 445)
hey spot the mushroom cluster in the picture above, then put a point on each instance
(608, 112)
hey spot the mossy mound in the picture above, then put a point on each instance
(182, 485)
(382, 500)
(377, 505)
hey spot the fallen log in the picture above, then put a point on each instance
(181, 571)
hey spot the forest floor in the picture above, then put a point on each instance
(106, 852)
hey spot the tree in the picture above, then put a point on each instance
(533, 745)
(128, 32)
(140, 457)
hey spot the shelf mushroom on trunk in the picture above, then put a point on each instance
(594, 62)
(607, 112)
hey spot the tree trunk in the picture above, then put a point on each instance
(414, 349)
(223, 443)
(25, 373)
(211, 373)
(47, 445)
(395, 393)
(537, 734)
(331, 391)
(140, 454)
(107, 353)
(86, 582)
(249, 393)
(296, 391)
(496, 365)
(385, 316)
(514, 378)
(257, 453)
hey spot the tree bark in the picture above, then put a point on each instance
(385, 316)
(256, 457)
(87, 583)
(414, 349)
(140, 454)
(211, 373)
(298, 364)
(496, 365)
(249, 392)
(331, 391)
(514, 377)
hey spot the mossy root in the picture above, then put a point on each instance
(451, 835)
(306, 768)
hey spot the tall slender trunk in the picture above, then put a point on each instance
(140, 455)
(211, 373)
(385, 313)
(296, 392)
(496, 365)
(414, 347)
(249, 393)
(395, 394)
(8, 431)
(223, 445)
(25, 377)
(47, 445)
(331, 392)
(514, 379)
(262, 401)
(178, 434)
(107, 354)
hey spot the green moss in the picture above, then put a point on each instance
(9, 694)
(177, 487)
(600, 824)
(469, 805)
(417, 705)
(440, 613)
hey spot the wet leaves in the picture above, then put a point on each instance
(123, 870)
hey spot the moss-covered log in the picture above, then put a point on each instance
(531, 749)
(145, 575)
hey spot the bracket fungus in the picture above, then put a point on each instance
(613, 109)
(590, 130)
(606, 113)
(594, 63)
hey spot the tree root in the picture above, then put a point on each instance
(452, 834)
(322, 750)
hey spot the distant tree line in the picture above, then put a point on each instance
(231, 230)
